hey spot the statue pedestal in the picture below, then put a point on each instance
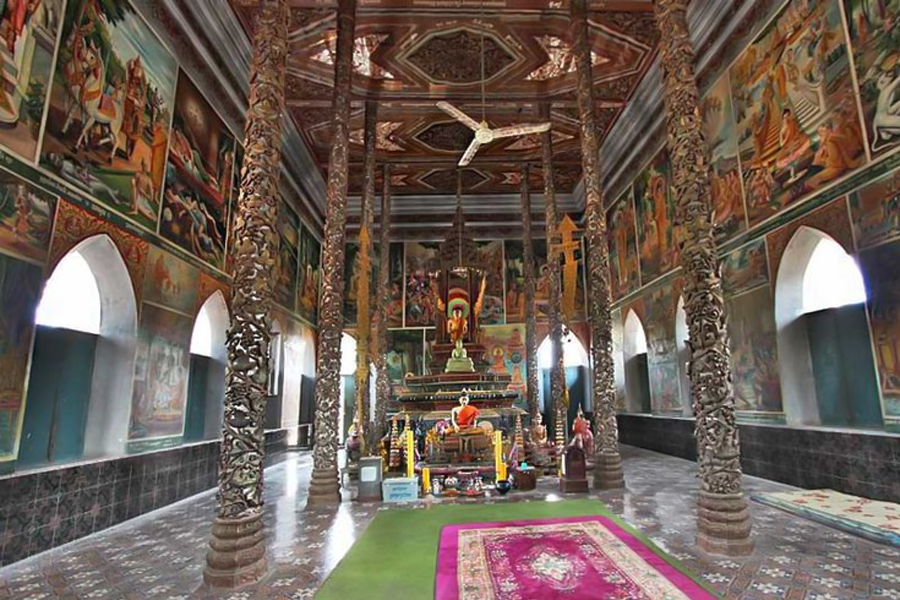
(574, 471)
(461, 364)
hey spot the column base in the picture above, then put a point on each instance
(608, 473)
(724, 524)
(237, 552)
(324, 489)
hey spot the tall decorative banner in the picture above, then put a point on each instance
(351, 283)
(308, 281)
(420, 305)
(876, 48)
(798, 122)
(288, 227)
(658, 244)
(26, 218)
(160, 374)
(623, 256)
(110, 107)
(726, 187)
(199, 177)
(492, 307)
(20, 291)
(26, 53)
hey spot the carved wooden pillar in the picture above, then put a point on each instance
(363, 291)
(608, 462)
(383, 295)
(555, 317)
(531, 364)
(237, 553)
(324, 488)
(724, 521)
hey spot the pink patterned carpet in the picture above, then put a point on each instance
(580, 558)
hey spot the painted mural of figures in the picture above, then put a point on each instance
(876, 47)
(655, 213)
(791, 93)
(875, 209)
(99, 119)
(622, 246)
(26, 218)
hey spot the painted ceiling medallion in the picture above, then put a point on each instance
(363, 49)
(454, 57)
(449, 136)
(560, 60)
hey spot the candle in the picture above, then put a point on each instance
(410, 454)
(426, 481)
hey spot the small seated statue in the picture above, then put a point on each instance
(354, 442)
(539, 431)
(538, 443)
(463, 416)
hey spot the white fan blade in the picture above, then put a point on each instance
(470, 153)
(524, 129)
(458, 115)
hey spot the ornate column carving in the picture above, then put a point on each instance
(364, 264)
(383, 294)
(724, 521)
(237, 550)
(608, 462)
(324, 488)
(531, 364)
(555, 317)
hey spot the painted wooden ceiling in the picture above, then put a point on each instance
(411, 53)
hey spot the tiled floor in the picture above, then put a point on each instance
(161, 555)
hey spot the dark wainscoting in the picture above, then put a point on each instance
(861, 463)
(45, 509)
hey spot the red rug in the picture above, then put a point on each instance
(580, 558)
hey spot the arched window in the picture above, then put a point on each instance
(71, 298)
(576, 362)
(348, 383)
(206, 383)
(82, 366)
(637, 378)
(824, 348)
(574, 354)
(684, 355)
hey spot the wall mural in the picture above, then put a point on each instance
(350, 283)
(20, 291)
(170, 282)
(515, 281)
(662, 352)
(879, 266)
(405, 354)
(110, 106)
(419, 297)
(27, 45)
(199, 178)
(308, 282)
(26, 218)
(754, 351)
(288, 225)
(623, 257)
(745, 268)
(726, 187)
(658, 244)
(875, 209)
(492, 308)
(798, 121)
(395, 308)
(876, 53)
(505, 352)
(160, 374)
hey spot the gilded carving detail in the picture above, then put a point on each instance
(383, 294)
(531, 367)
(364, 277)
(455, 57)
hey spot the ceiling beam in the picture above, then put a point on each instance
(359, 100)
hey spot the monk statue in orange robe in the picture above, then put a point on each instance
(463, 416)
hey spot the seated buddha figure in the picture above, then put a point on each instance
(463, 416)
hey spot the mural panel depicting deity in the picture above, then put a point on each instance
(875, 209)
(199, 178)
(745, 268)
(406, 354)
(20, 292)
(515, 281)
(505, 353)
(623, 257)
(492, 303)
(170, 282)
(658, 243)
(420, 305)
(726, 187)
(395, 307)
(26, 217)
(110, 106)
(879, 267)
(160, 374)
(308, 281)
(798, 122)
(876, 54)
(28, 32)
(754, 351)
(662, 352)
(288, 226)
(351, 281)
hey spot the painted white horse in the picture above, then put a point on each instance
(99, 108)
(886, 124)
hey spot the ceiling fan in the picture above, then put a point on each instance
(483, 133)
